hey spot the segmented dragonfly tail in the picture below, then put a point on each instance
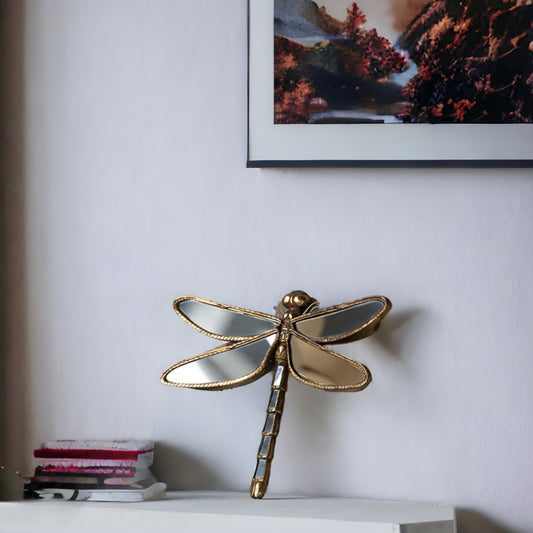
(270, 431)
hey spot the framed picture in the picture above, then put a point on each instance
(389, 83)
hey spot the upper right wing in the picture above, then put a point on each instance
(346, 322)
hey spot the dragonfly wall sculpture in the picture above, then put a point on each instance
(291, 342)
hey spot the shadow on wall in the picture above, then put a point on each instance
(472, 522)
(398, 331)
(182, 470)
(14, 399)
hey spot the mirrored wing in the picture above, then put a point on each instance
(345, 322)
(227, 366)
(325, 369)
(223, 322)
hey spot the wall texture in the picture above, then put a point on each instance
(136, 192)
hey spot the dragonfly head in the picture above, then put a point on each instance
(298, 302)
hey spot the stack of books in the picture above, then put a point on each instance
(96, 470)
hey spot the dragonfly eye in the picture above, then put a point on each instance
(297, 301)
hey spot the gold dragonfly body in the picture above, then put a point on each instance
(290, 343)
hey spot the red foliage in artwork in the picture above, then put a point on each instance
(354, 20)
(331, 68)
(474, 62)
(471, 63)
(381, 57)
(292, 91)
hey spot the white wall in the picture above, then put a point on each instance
(137, 192)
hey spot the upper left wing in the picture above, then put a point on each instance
(223, 322)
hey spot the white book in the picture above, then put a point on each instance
(154, 491)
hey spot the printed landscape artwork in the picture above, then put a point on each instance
(440, 61)
(337, 81)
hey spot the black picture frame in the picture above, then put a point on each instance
(363, 145)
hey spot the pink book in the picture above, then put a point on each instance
(98, 470)
(91, 453)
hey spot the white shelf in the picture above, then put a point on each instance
(226, 512)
